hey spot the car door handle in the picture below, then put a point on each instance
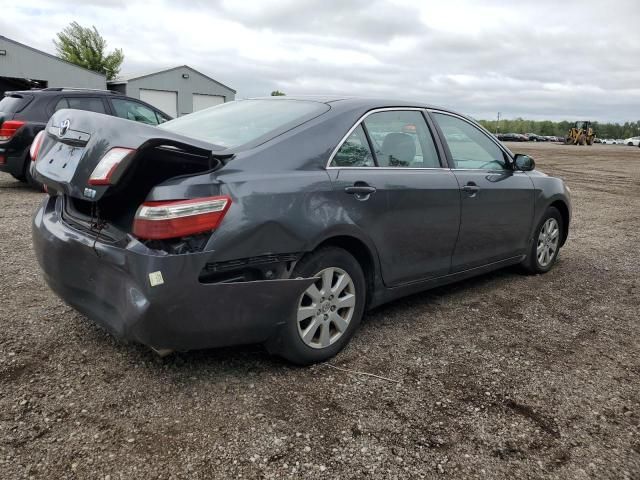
(360, 190)
(471, 188)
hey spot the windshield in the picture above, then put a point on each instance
(14, 103)
(236, 123)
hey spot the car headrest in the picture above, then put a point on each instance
(398, 149)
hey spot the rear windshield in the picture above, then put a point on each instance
(14, 103)
(243, 121)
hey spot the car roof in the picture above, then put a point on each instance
(352, 101)
(346, 102)
(65, 91)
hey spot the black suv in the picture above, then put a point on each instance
(23, 114)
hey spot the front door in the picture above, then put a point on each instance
(392, 185)
(497, 202)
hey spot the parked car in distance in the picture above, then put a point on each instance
(632, 141)
(25, 113)
(511, 137)
(608, 141)
(532, 137)
(280, 220)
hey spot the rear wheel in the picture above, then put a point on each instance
(19, 177)
(33, 183)
(328, 312)
(546, 243)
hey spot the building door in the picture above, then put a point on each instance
(164, 100)
(202, 101)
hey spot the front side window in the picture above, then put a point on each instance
(354, 152)
(401, 139)
(90, 104)
(134, 111)
(161, 118)
(469, 146)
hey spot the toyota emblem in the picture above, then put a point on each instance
(64, 126)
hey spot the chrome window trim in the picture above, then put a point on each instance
(397, 169)
(362, 119)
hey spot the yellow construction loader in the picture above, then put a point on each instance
(580, 134)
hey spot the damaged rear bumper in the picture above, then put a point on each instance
(119, 288)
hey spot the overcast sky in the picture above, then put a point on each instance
(537, 59)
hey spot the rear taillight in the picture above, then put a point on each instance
(35, 146)
(9, 128)
(3, 160)
(103, 173)
(179, 218)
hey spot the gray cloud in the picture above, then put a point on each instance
(531, 60)
(371, 20)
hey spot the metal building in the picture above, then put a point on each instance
(23, 67)
(176, 91)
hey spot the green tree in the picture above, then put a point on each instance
(85, 47)
(278, 93)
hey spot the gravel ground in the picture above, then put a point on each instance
(503, 376)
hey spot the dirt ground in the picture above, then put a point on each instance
(503, 376)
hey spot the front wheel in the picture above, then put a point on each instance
(328, 312)
(546, 243)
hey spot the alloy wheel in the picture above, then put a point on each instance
(325, 308)
(548, 240)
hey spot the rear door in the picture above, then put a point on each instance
(497, 202)
(391, 182)
(89, 104)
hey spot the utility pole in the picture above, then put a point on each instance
(498, 124)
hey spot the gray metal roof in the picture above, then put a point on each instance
(120, 79)
(102, 75)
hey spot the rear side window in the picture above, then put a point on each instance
(237, 123)
(14, 103)
(402, 139)
(354, 152)
(90, 104)
(134, 111)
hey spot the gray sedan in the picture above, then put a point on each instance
(281, 220)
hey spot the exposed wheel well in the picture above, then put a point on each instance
(361, 253)
(564, 211)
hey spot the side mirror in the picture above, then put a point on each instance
(524, 163)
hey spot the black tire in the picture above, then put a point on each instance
(20, 178)
(531, 264)
(33, 183)
(288, 342)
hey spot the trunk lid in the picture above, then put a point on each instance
(76, 141)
